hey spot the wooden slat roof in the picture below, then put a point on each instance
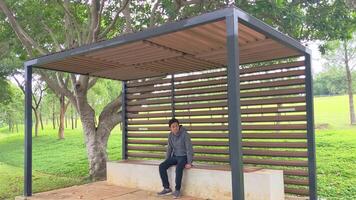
(199, 47)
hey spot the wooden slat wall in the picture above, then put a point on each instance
(273, 118)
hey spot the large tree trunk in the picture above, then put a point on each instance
(96, 143)
(36, 122)
(41, 121)
(62, 111)
(349, 86)
(72, 117)
(96, 135)
(53, 115)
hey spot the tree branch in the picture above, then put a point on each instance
(92, 82)
(127, 14)
(25, 39)
(94, 21)
(71, 21)
(153, 11)
(113, 22)
(56, 88)
(109, 117)
(49, 30)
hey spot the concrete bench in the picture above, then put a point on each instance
(202, 181)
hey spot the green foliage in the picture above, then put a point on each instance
(11, 112)
(331, 81)
(102, 93)
(305, 19)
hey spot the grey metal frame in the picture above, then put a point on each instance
(233, 80)
(232, 15)
(124, 121)
(28, 132)
(310, 128)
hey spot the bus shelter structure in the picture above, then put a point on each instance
(242, 89)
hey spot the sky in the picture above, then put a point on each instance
(317, 60)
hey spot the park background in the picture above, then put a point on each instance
(60, 158)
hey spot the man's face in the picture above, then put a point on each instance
(174, 128)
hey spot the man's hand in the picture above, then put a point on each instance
(188, 166)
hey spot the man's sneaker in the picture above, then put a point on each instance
(165, 191)
(176, 194)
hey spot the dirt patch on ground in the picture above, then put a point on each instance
(322, 126)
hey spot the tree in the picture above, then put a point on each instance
(37, 95)
(331, 81)
(343, 53)
(11, 112)
(41, 29)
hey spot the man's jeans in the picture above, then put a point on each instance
(180, 162)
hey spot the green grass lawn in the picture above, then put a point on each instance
(56, 163)
(61, 163)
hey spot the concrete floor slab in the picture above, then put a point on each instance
(99, 191)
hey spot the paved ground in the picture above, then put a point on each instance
(103, 191)
(99, 191)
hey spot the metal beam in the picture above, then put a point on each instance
(28, 132)
(124, 121)
(310, 128)
(233, 78)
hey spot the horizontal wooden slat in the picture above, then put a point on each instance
(224, 120)
(275, 144)
(149, 95)
(165, 135)
(177, 100)
(260, 77)
(226, 143)
(221, 73)
(201, 76)
(177, 107)
(223, 103)
(295, 163)
(201, 91)
(296, 181)
(268, 84)
(226, 135)
(288, 91)
(162, 80)
(244, 86)
(275, 127)
(148, 89)
(221, 81)
(226, 159)
(167, 95)
(246, 152)
(184, 112)
(279, 100)
(224, 127)
(296, 191)
(281, 109)
(295, 172)
(253, 152)
(178, 93)
(274, 135)
(272, 67)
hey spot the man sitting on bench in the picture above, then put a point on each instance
(179, 153)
